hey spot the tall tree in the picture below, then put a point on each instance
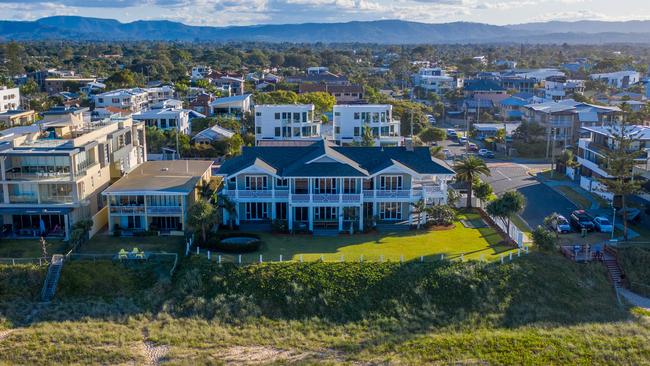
(468, 171)
(505, 206)
(367, 139)
(13, 56)
(621, 157)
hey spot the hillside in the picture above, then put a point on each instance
(381, 31)
(536, 310)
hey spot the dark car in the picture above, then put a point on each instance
(581, 220)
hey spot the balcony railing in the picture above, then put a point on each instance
(171, 210)
(415, 193)
(127, 209)
(23, 198)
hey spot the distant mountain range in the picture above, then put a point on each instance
(380, 31)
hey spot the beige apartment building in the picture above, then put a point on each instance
(53, 173)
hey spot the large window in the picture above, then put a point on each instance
(390, 182)
(256, 211)
(256, 182)
(390, 211)
(349, 185)
(325, 186)
(325, 214)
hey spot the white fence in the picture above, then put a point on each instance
(513, 232)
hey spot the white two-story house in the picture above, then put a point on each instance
(286, 122)
(350, 120)
(327, 187)
(9, 99)
(134, 100)
(169, 118)
(593, 155)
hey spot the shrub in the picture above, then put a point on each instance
(280, 226)
(441, 215)
(544, 239)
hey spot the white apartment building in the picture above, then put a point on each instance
(134, 100)
(9, 99)
(619, 79)
(52, 174)
(351, 119)
(434, 80)
(286, 122)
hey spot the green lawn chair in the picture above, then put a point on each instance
(137, 254)
(123, 254)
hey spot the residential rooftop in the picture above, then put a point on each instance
(165, 176)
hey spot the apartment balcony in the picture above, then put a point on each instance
(57, 199)
(23, 198)
(246, 194)
(128, 210)
(18, 175)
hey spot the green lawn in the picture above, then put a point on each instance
(430, 244)
(104, 243)
(29, 248)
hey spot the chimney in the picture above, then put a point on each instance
(408, 144)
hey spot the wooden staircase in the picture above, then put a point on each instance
(610, 261)
(52, 278)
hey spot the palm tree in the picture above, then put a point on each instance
(227, 204)
(419, 207)
(202, 215)
(468, 171)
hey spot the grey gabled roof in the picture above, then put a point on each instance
(323, 159)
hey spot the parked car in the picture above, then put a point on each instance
(452, 134)
(473, 147)
(581, 220)
(431, 119)
(447, 153)
(462, 140)
(603, 225)
(485, 153)
(562, 225)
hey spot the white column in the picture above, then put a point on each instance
(66, 225)
(310, 214)
(361, 217)
(290, 217)
(237, 214)
(273, 213)
(339, 211)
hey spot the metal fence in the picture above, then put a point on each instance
(42, 261)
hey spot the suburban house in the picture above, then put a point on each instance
(169, 118)
(200, 72)
(485, 130)
(135, 100)
(342, 93)
(324, 187)
(201, 103)
(619, 79)
(9, 99)
(563, 119)
(519, 83)
(559, 88)
(319, 78)
(53, 173)
(17, 118)
(286, 122)
(160, 94)
(512, 108)
(484, 89)
(235, 106)
(593, 151)
(230, 84)
(351, 119)
(62, 84)
(156, 196)
(212, 134)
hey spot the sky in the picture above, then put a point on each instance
(246, 12)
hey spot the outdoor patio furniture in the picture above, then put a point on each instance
(123, 254)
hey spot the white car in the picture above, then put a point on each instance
(603, 225)
(562, 225)
(462, 140)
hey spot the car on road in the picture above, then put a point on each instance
(462, 140)
(473, 147)
(562, 225)
(580, 219)
(452, 134)
(603, 225)
(431, 119)
(485, 153)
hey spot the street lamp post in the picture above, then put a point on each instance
(613, 219)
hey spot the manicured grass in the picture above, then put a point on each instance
(30, 248)
(521, 225)
(411, 245)
(104, 243)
